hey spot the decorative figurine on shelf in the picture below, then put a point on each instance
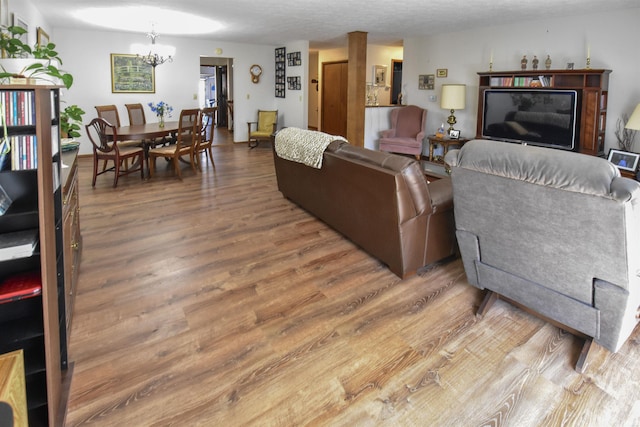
(547, 63)
(440, 132)
(523, 62)
(534, 62)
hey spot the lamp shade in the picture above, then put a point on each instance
(634, 120)
(453, 97)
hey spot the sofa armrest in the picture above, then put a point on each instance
(625, 189)
(441, 194)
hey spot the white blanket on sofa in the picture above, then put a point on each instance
(303, 146)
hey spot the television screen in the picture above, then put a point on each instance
(538, 117)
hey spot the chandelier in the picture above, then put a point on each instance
(157, 54)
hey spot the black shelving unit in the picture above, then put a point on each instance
(36, 324)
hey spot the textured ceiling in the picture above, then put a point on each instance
(326, 23)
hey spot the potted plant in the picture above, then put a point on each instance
(70, 121)
(20, 61)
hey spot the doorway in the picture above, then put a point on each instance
(396, 81)
(215, 87)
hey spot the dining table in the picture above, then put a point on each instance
(147, 133)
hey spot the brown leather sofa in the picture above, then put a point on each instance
(380, 201)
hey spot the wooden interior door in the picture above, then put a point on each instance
(334, 98)
(222, 94)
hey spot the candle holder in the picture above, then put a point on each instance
(490, 66)
(588, 63)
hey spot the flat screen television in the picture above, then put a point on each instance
(544, 117)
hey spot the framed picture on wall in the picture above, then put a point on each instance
(426, 81)
(4, 13)
(129, 74)
(19, 22)
(43, 38)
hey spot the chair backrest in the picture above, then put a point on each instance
(537, 207)
(100, 133)
(136, 114)
(190, 123)
(267, 120)
(208, 122)
(408, 121)
(109, 113)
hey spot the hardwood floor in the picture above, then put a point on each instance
(214, 301)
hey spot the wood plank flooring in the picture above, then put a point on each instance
(214, 301)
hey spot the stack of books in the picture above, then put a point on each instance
(18, 244)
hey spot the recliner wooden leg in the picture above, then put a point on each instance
(489, 298)
(582, 363)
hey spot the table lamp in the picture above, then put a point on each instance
(634, 120)
(453, 98)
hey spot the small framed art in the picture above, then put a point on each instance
(442, 72)
(624, 160)
(454, 134)
(426, 81)
(43, 37)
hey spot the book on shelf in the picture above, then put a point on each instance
(24, 153)
(18, 107)
(18, 244)
(5, 201)
(20, 286)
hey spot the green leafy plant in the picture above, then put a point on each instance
(12, 46)
(70, 121)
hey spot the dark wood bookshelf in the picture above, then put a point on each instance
(36, 324)
(592, 86)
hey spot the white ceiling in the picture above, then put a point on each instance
(326, 23)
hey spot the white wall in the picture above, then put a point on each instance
(382, 55)
(376, 55)
(87, 56)
(612, 38)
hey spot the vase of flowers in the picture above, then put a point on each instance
(162, 110)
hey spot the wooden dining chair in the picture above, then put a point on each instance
(101, 133)
(206, 135)
(186, 140)
(137, 117)
(110, 114)
(136, 114)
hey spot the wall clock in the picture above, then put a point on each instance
(255, 71)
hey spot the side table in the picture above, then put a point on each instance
(445, 142)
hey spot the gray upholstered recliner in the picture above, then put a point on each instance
(557, 232)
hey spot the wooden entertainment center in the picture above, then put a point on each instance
(592, 87)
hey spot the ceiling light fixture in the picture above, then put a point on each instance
(157, 54)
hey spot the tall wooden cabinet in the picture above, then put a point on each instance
(36, 324)
(591, 85)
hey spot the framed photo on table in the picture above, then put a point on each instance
(454, 134)
(129, 74)
(624, 160)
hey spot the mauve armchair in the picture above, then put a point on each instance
(407, 131)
